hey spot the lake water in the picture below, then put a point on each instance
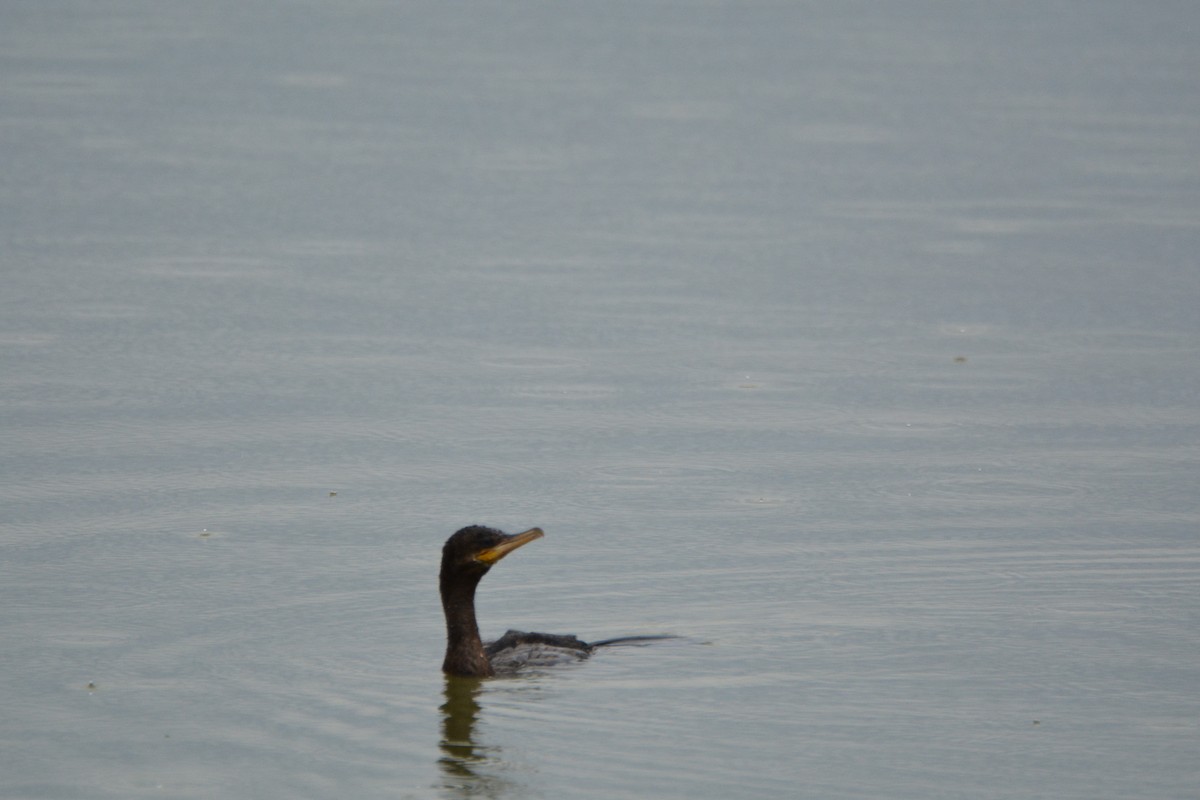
(855, 344)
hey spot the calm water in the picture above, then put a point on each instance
(857, 346)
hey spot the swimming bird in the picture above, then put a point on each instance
(466, 558)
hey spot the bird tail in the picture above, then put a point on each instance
(634, 640)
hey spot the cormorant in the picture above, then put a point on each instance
(466, 558)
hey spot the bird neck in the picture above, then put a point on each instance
(464, 649)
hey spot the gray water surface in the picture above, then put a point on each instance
(855, 345)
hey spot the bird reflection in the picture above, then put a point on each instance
(463, 763)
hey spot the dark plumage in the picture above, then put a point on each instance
(466, 558)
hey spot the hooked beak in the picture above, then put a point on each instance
(494, 554)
